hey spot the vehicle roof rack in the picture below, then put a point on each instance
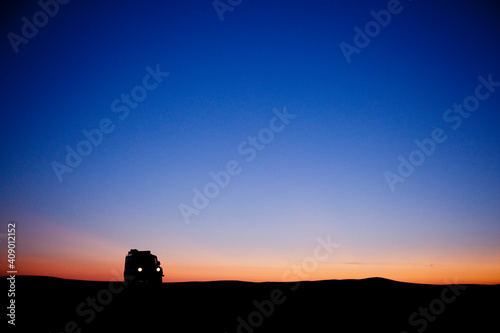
(135, 251)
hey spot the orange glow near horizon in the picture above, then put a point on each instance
(84, 257)
(112, 270)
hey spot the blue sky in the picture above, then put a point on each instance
(323, 174)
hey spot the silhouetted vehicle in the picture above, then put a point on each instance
(142, 266)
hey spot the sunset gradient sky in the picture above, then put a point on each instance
(321, 175)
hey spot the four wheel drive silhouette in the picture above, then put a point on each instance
(142, 266)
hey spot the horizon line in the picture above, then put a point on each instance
(281, 282)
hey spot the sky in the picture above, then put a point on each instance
(234, 139)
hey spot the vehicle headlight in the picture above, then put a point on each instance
(139, 269)
(158, 269)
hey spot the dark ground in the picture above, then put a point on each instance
(45, 304)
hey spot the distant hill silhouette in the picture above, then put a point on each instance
(46, 304)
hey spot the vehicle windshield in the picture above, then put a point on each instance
(139, 260)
